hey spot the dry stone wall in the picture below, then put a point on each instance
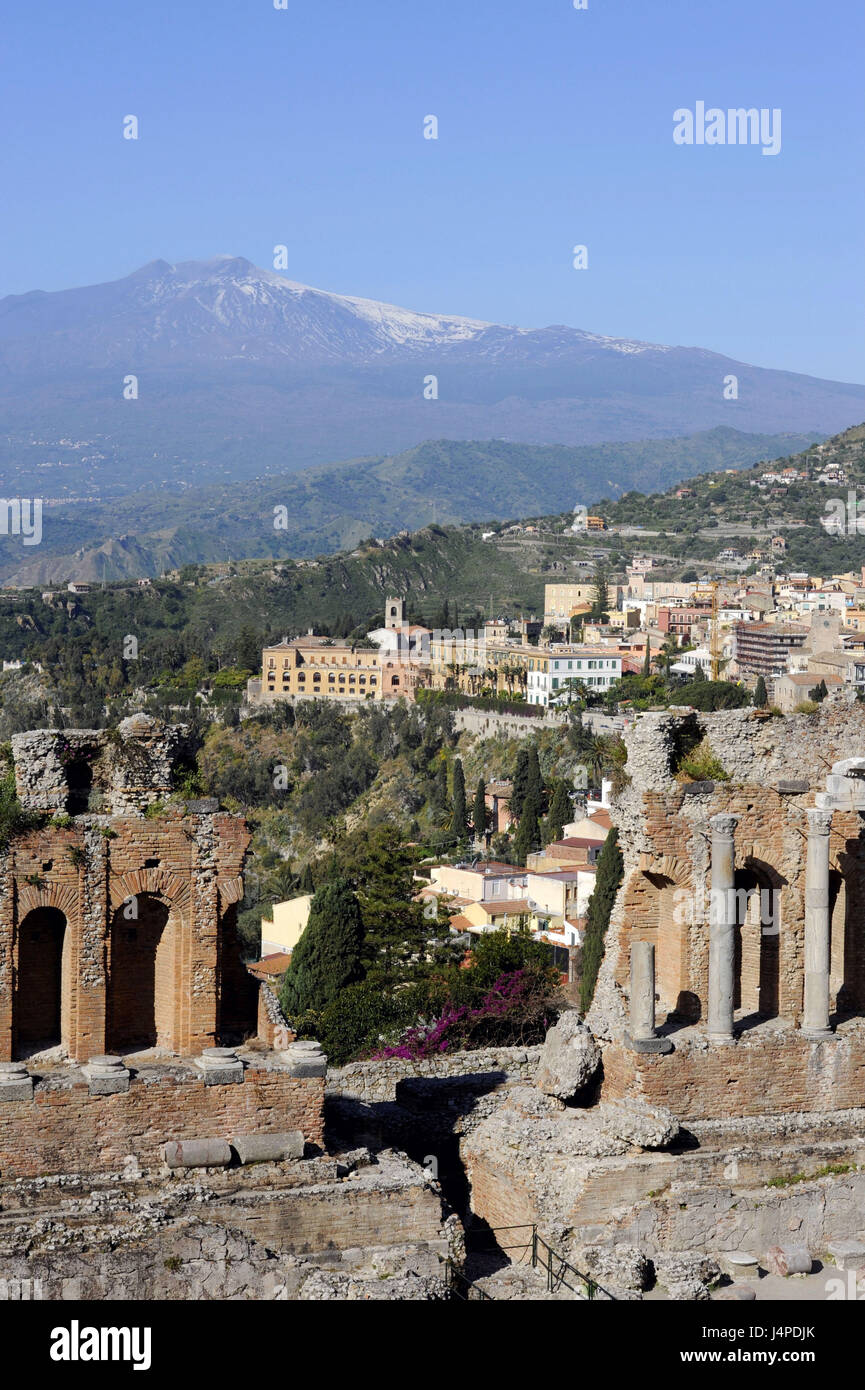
(377, 1081)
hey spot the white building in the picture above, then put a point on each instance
(553, 676)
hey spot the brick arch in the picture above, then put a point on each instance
(43, 994)
(230, 891)
(758, 889)
(144, 975)
(846, 908)
(63, 896)
(159, 883)
(668, 866)
(653, 914)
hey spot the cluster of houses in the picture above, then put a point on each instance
(795, 629)
(549, 896)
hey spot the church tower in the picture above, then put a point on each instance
(394, 613)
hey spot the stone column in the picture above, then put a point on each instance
(642, 990)
(642, 1036)
(816, 1017)
(722, 929)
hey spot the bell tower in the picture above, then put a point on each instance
(394, 613)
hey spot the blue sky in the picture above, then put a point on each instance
(303, 127)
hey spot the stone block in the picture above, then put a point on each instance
(739, 1264)
(221, 1066)
(788, 1259)
(16, 1083)
(659, 1045)
(569, 1058)
(736, 1293)
(198, 1153)
(268, 1148)
(106, 1076)
(634, 1120)
(847, 1254)
(305, 1059)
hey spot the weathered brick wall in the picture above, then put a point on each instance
(767, 1072)
(498, 1197)
(64, 1129)
(339, 1217)
(775, 768)
(127, 979)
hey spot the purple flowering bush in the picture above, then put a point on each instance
(516, 1009)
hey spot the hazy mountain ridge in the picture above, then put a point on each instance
(242, 372)
(334, 507)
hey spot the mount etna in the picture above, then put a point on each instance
(217, 372)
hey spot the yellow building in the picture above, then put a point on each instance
(283, 930)
(563, 601)
(320, 667)
(478, 665)
(492, 915)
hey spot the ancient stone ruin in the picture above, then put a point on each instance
(117, 925)
(161, 1133)
(711, 1105)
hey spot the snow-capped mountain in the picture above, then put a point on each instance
(240, 371)
(227, 308)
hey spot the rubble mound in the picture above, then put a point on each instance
(637, 1122)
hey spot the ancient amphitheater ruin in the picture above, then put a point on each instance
(162, 1135)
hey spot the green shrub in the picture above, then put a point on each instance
(702, 766)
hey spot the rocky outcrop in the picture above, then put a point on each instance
(569, 1058)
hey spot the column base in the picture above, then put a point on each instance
(817, 1034)
(722, 1038)
(662, 1045)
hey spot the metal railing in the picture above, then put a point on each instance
(535, 1250)
(462, 1289)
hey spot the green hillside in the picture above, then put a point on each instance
(742, 510)
(333, 508)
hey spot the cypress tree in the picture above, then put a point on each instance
(459, 819)
(479, 817)
(610, 869)
(520, 782)
(761, 698)
(328, 955)
(600, 588)
(560, 811)
(647, 658)
(528, 836)
(306, 884)
(534, 780)
(439, 798)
